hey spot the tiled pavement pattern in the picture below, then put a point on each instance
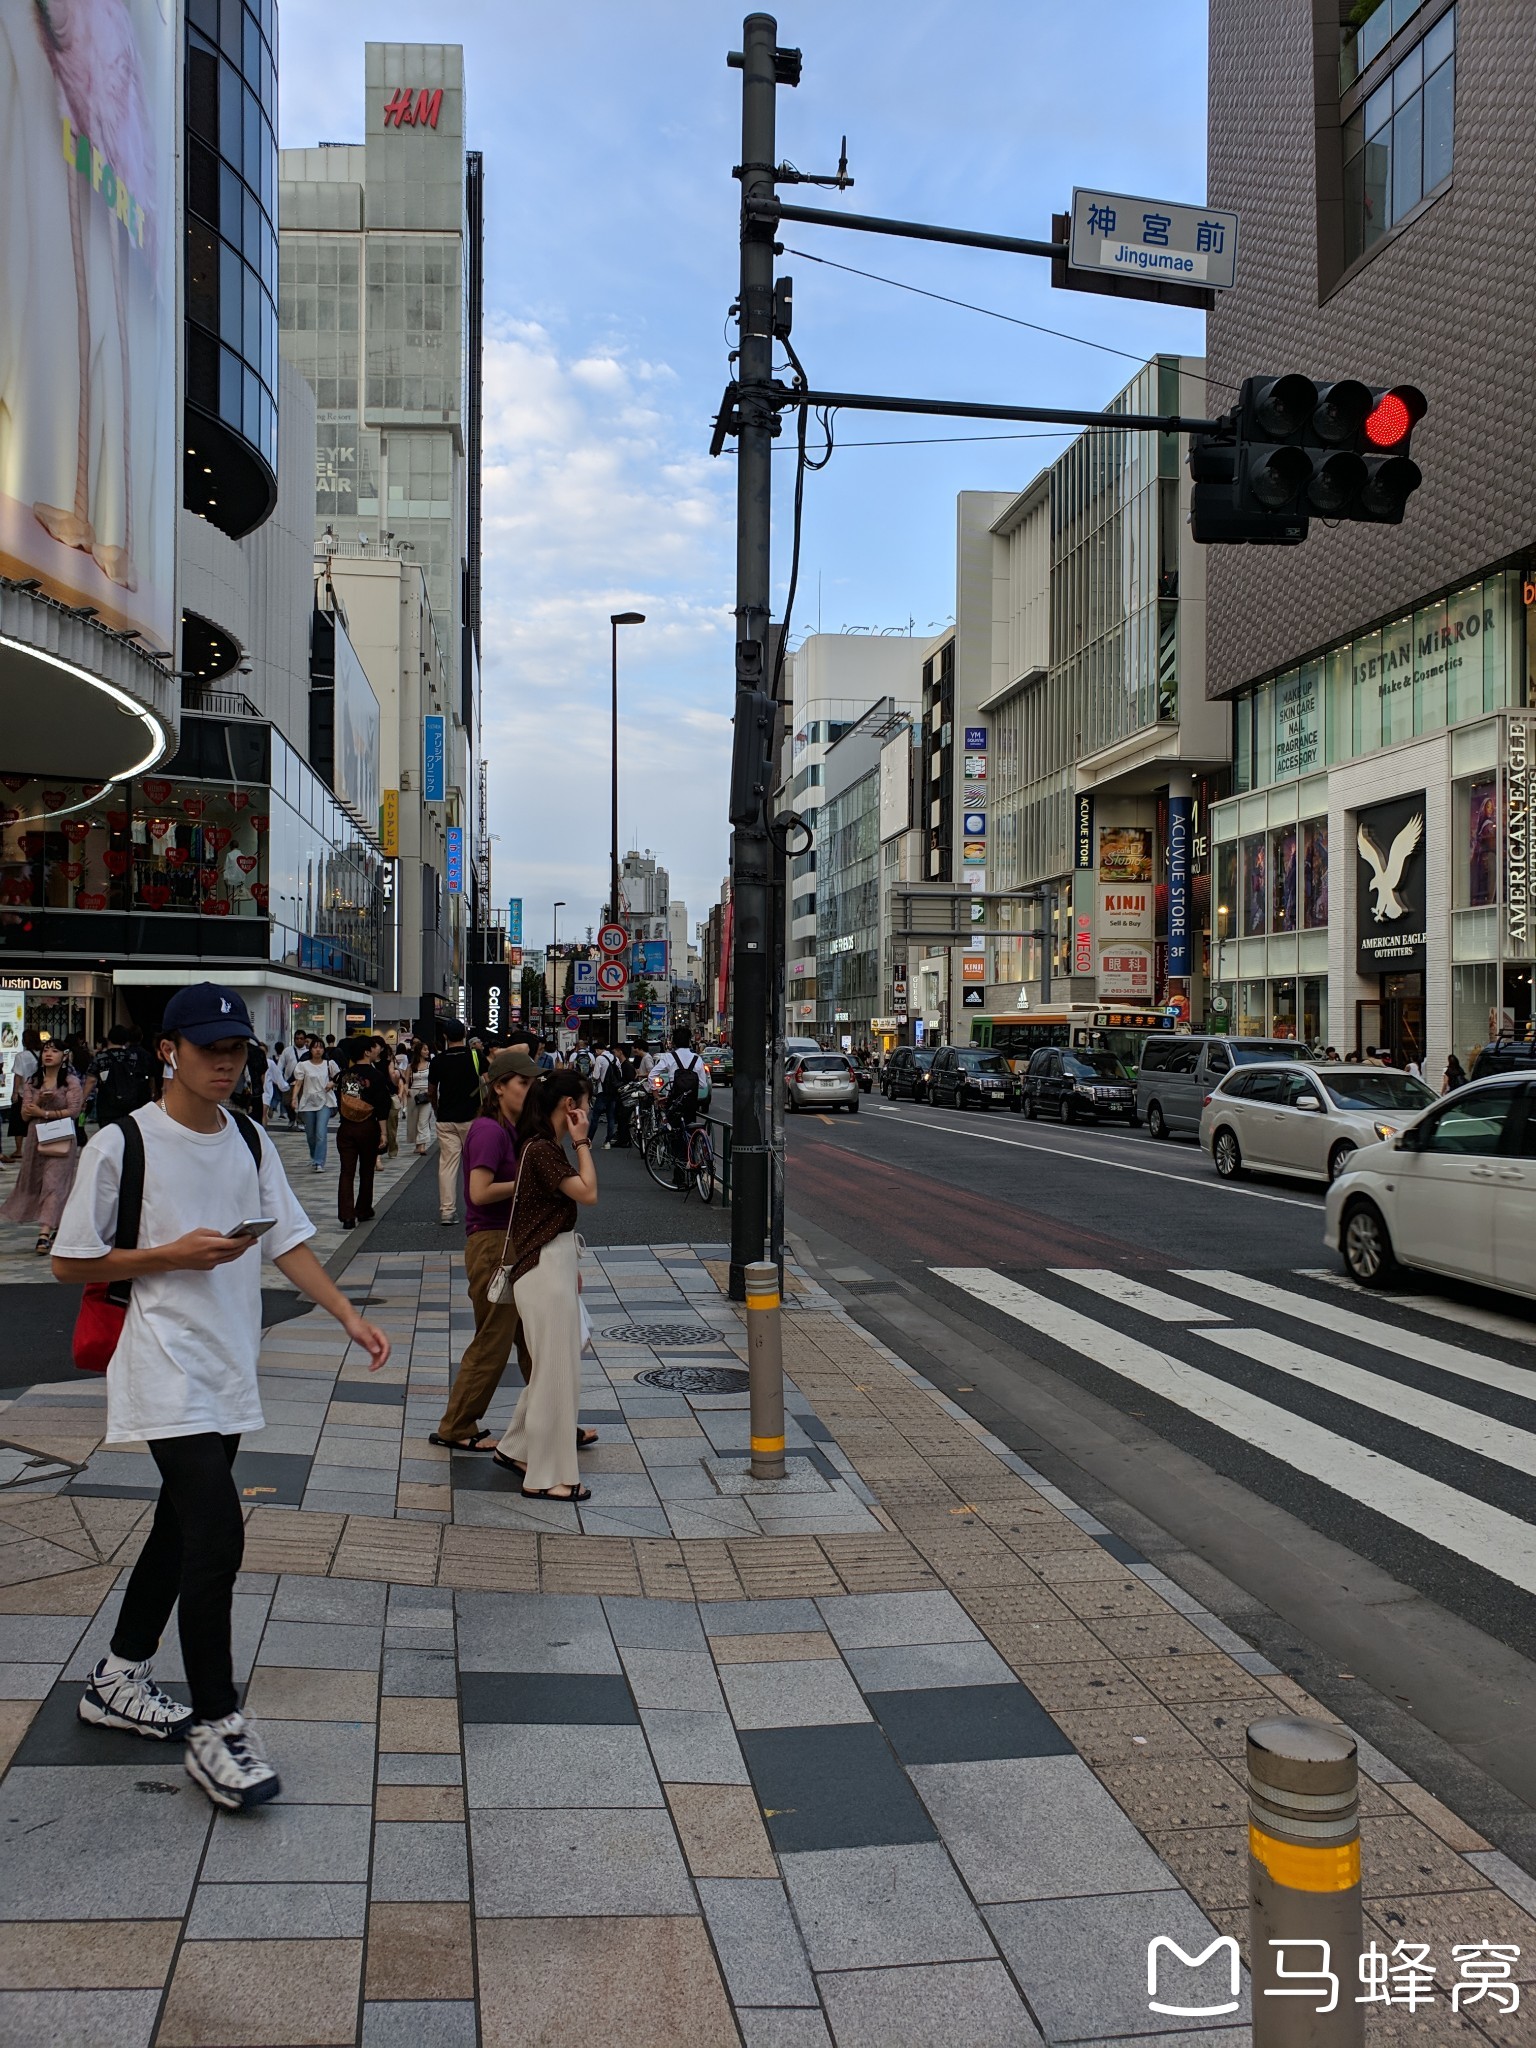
(19, 1263)
(939, 1777)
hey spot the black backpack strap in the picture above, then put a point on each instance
(130, 1203)
(251, 1134)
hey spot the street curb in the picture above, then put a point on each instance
(356, 1239)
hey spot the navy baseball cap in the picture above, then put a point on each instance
(206, 1013)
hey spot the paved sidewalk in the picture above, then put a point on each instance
(19, 1263)
(914, 1751)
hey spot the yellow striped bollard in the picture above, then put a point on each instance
(1304, 1885)
(765, 1366)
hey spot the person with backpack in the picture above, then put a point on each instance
(603, 1078)
(453, 1088)
(183, 1371)
(121, 1078)
(364, 1095)
(682, 1080)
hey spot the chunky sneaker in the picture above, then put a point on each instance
(227, 1759)
(130, 1699)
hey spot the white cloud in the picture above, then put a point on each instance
(599, 498)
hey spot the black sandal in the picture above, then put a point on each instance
(485, 1441)
(586, 1439)
(548, 1493)
(507, 1464)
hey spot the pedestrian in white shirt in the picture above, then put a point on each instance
(183, 1373)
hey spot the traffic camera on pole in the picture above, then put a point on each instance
(1291, 448)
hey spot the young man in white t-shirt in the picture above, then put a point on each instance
(183, 1375)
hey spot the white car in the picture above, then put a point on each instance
(1454, 1192)
(1305, 1118)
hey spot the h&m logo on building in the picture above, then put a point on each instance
(410, 108)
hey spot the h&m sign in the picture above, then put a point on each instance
(409, 107)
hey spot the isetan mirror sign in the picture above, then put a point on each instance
(89, 466)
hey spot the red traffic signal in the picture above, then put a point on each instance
(1394, 416)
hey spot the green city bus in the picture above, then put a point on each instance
(1094, 1027)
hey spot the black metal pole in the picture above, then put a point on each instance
(978, 409)
(751, 893)
(613, 878)
(775, 210)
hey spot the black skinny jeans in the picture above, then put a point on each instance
(192, 1555)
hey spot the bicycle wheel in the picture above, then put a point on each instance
(701, 1165)
(659, 1163)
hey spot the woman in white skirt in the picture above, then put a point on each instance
(540, 1443)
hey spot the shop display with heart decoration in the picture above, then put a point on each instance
(158, 827)
(91, 900)
(217, 836)
(259, 893)
(74, 830)
(245, 862)
(116, 860)
(71, 870)
(55, 799)
(156, 895)
(176, 856)
(194, 806)
(156, 790)
(239, 799)
(260, 820)
(215, 906)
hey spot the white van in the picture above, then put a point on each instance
(1177, 1072)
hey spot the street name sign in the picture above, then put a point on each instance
(1153, 239)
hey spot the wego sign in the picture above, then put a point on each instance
(410, 108)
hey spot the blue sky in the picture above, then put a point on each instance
(609, 134)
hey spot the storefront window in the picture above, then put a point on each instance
(1282, 879)
(1283, 1006)
(1366, 674)
(1444, 664)
(1314, 873)
(1253, 872)
(1474, 1010)
(1314, 1011)
(1226, 890)
(1475, 842)
(1252, 1017)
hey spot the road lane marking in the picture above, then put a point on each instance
(1185, 1180)
(1150, 1301)
(1500, 1543)
(1414, 1344)
(1387, 1397)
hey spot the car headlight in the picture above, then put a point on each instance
(1385, 1131)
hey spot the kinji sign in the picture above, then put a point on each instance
(413, 107)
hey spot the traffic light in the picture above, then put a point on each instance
(1291, 448)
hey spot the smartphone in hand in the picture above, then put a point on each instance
(253, 1226)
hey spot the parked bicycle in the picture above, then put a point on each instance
(655, 1138)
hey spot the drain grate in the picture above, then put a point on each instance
(659, 1334)
(696, 1379)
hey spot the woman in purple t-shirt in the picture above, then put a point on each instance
(490, 1173)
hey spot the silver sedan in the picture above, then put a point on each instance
(822, 1080)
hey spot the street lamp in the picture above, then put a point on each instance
(615, 620)
(554, 940)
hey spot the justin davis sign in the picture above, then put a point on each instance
(1518, 834)
(1390, 909)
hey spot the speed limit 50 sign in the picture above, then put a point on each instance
(613, 939)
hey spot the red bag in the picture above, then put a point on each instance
(104, 1304)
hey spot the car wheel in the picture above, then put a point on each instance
(1228, 1154)
(1367, 1248)
(853, 1107)
(1339, 1158)
(1065, 1109)
(1156, 1126)
(1030, 1109)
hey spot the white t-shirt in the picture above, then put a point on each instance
(315, 1078)
(186, 1361)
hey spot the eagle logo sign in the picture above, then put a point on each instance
(1387, 869)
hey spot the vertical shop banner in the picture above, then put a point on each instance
(1180, 949)
(389, 824)
(453, 861)
(1391, 911)
(1082, 834)
(515, 921)
(434, 758)
(1517, 834)
(90, 468)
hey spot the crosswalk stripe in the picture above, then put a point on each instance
(1151, 1301)
(1327, 1315)
(1442, 1419)
(1500, 1543)
(1467, 1313)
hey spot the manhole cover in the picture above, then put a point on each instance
(657, 1333)
(696, 1379)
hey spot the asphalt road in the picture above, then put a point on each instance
(1349, 1480)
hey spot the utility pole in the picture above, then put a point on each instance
(763, 68)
